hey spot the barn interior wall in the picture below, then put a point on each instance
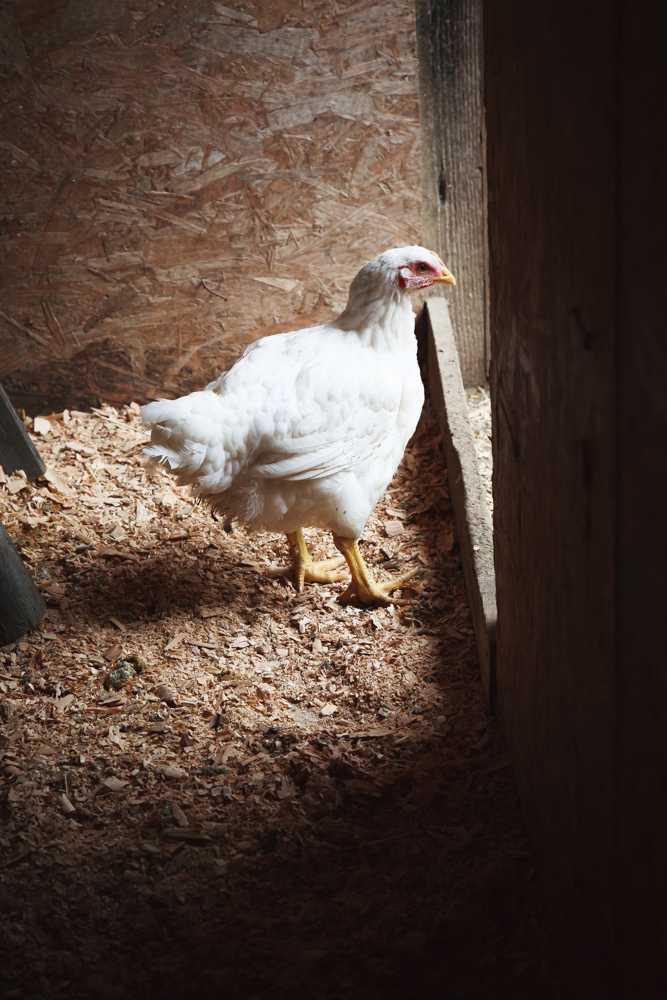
(575, 100)
(179, 178)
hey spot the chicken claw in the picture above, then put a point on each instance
(307, 570)
(363, 586)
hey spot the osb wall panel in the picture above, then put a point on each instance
(180, 178)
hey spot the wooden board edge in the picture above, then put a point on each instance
(471, 513)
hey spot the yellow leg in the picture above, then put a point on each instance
(363, 586)
(307, 570)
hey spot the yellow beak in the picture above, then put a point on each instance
(446, 278)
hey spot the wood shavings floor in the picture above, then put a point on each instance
(324, 810)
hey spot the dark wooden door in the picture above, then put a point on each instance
(575, 102)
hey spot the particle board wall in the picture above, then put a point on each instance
(180, 178)
(575, 98)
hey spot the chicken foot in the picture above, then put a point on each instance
(362, 585)
(307, 570)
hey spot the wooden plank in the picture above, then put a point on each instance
(552, 287)
(473, 520)
(449, 39)
(576, 95)
(21, 604)
(16, 449)
(641, 863)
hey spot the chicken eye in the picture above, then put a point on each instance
(422, 267)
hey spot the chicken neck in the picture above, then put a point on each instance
(379, 318)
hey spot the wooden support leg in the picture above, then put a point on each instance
(16, 449)
(21, 604)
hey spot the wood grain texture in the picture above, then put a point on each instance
(449, 35)
(550, 159)
(641, 890)
(574, 95)
(181, 178)
(473, 521)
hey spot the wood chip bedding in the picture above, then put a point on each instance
(284, 795)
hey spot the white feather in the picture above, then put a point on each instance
(308, 428)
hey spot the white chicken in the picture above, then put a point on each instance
(307, 428)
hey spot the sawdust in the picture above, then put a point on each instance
(479, 415)
(291, 796)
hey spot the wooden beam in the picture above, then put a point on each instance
(473, 520)
(576, 99)
(553, 289)
(641, 595)
(449, 43)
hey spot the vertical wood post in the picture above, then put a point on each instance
(576, 101)
(449, 42)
